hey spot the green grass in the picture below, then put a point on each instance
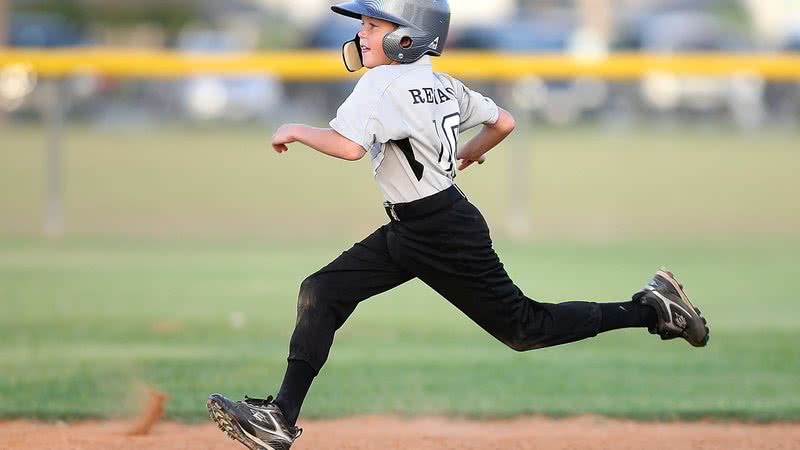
(582, 183)
(171, 232)
(85, 320)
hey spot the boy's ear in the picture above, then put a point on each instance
(351, 53)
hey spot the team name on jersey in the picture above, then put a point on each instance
(429, 95)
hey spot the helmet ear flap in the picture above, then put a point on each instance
(351, 54)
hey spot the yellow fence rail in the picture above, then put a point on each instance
(327, 65)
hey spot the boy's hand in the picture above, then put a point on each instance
(468, 162)
(284, 135)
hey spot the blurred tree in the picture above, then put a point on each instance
(734, 13)
(171, 15)
(68, 9)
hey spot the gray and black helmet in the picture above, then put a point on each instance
(424, 22)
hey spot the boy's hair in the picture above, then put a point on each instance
(422, 25)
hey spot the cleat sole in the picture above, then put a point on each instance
(228, 425)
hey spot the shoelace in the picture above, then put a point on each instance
(296, 431)
(259, 401)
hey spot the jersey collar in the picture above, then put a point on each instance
(425, 60)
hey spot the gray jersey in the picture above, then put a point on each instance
(408, 119)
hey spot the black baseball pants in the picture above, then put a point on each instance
(444, 241)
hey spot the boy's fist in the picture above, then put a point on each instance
(282, 136)
(468, 162)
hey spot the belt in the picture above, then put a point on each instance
(424, 206)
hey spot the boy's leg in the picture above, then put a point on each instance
(630, 314)
(460, 264)
(326, 300)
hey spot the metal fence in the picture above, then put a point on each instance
(554, 87)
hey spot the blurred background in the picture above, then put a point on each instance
(238, 112)
(204, 121)
(148, 231)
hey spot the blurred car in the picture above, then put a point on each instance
(329, 34)
(234, 98)
(20, 91)
(793, 42)
(689, 31)
(783, 97)
(560, 101)
(43, 30)
(332, 32)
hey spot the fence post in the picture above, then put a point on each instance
(54, 172)
(519, 225)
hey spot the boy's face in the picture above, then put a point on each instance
(372, 32)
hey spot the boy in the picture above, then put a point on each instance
(408, 119)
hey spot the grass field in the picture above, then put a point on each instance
(185, 249)
(85, 320)
(583, 184)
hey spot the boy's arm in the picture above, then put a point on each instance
(489, 136)
(324, 140)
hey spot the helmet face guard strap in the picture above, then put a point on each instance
(351, 54)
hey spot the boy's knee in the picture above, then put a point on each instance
(308, 285)
(517, 346)
(520, 343)
(308, 297)
(523, 346)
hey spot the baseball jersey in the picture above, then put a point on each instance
(408, 118)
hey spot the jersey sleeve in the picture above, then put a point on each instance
(369, 115)
(475, 108)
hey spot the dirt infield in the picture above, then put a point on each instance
(584, 433)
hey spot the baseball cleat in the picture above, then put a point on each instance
(677, 317)
(257, 423)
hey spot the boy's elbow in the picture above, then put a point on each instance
(505, 123)
(344, 148)
(354, 153)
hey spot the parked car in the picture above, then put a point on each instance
(234, 98)
(556, 101)
(44, 30)
(20, 91)
(783, 97)
(332, 32)
(329, 34)
(739, 96)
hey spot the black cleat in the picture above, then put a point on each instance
(677, 317)
(257, 423)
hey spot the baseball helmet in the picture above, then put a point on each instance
(422, 27)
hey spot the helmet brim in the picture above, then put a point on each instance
(356, 9)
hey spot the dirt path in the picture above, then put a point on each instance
(378, 433)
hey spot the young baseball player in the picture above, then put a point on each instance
(407, 118)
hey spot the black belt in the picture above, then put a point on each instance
(424, 206)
